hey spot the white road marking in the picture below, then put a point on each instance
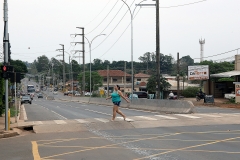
(98, 112)
(102, 120)
(127, 119)
(59, 115)
(81, 121)
(147, 118)
(60, 121)
(187, 116)
(37, 122)
(210, 115)
(167, 117)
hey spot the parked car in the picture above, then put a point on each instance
(55, 92)
(88, 93)
(133, 96)
(77, 94)
(141, 94)
(40, 95)
(26, 99)
(66, 93)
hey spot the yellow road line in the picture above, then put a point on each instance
(109, 145)
(181, 149)
(35, 152)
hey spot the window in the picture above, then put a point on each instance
(114, 80)
(128, 79)
(139, 79)
(105, 79)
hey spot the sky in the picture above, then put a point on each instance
(37, 27)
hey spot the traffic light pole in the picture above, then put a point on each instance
(5, 41)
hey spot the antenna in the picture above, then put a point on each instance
(201, 42)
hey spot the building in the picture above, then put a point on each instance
(116, 77)
(140, 81)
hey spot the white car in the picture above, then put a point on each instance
(77, 94)
(55, 92)
(88, 93)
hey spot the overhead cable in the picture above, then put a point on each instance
(103, 18)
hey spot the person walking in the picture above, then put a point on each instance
(116, 99)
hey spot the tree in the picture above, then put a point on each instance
(19, 66)
(42, 63)
(96, 80)
(75, 69)
(152, 82)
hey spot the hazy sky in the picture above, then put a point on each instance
(44, 24)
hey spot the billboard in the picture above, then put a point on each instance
(198, 72)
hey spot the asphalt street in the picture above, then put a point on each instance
(75, 131)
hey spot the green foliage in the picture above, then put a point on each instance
(42, 63)
(96, 80)
(218, 67)
(152, 82)
(190, 92)
(226, 79)
(232, 100)
(19, 66)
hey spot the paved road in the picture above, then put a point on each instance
(73, 131)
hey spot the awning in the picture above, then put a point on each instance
(226, 74)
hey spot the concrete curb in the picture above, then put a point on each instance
(7, 134)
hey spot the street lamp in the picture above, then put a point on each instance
(90, 50)
(131, 38)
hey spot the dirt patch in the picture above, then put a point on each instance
(219, 102)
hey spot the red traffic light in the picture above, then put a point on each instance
(4, 68)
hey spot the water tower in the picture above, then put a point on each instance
(201, 42)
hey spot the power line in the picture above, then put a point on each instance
(97, 14)
(219, 54)
(113, 29)
(103, 18)
(119, 37)
(187, 4)
(112, 19)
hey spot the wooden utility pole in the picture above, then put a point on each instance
(158, 48)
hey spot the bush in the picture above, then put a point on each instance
(190, 92)
(95, 95)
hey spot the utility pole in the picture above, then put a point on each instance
(178, 70)
(83, 52)
(64, 80)
(107, 80)
(5, 42)
(158, 48)
(124, 78)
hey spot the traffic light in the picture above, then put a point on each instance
(5, 71)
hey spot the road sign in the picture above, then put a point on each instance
(101, 92)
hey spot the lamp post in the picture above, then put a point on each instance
(131, 13)
(90, 50)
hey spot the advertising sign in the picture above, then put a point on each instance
(237, 89)
(198, 72)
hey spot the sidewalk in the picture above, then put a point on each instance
(12, 132)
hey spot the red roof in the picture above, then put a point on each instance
(112, 73)
(141, 75)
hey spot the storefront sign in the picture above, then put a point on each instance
(198, 72)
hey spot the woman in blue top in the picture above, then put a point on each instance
(116, 99)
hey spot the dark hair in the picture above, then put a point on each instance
(118, 87)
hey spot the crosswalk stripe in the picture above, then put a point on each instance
(81, 121)
(187, 116)
(167, 117)
(127, 119)
(60, 121)
(147, 118)
(102, 120)
(210, 115)
(37, 122)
